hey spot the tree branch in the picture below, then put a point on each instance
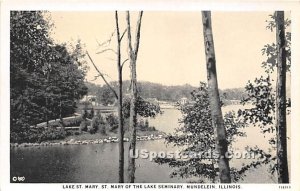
(95, 77)
(123, 35)
(102, 76)
(105, 50)
(108, 58)
(107, 42)
(124, 63)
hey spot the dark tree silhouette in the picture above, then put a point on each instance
(282, 162)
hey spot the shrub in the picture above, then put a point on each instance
(92, 131)
(102, 128)
(98, 124)
(85, 114)
(112, 121)
(52, 134)
(16, 137)
(144, 126)
(91, 114)
(33, 135)
(83, 125)
(151, 128)
(68, 133)
(146, 123)
(76, 133)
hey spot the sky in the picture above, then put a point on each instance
(171, 45)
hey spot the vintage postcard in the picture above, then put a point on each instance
(137, 96)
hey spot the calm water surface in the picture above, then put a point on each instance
(99, 163)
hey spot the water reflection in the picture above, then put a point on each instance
(99, 163)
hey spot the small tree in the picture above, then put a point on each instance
(269, 103)
(105, 96)
(112, 121)
(83, 124)
(195, 135)
(98, 124)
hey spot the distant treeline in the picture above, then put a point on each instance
(159, 91)
(233, 94)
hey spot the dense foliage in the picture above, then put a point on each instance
(270, 50)
(261, 94)
(38, 135)
(105, 96)
(98, 123)
(112, 121)
(45, 78)
(144, 108)
(196, 134)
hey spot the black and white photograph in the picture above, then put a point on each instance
(191, 99)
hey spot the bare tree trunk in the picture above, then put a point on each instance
(133, 113)
(283, 173)
(120, 97)
(214, 99)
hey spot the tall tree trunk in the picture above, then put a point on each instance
(120, 97)
(214, 99)
(283, 173)
(133, 113)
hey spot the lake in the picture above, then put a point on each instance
(98, 163)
